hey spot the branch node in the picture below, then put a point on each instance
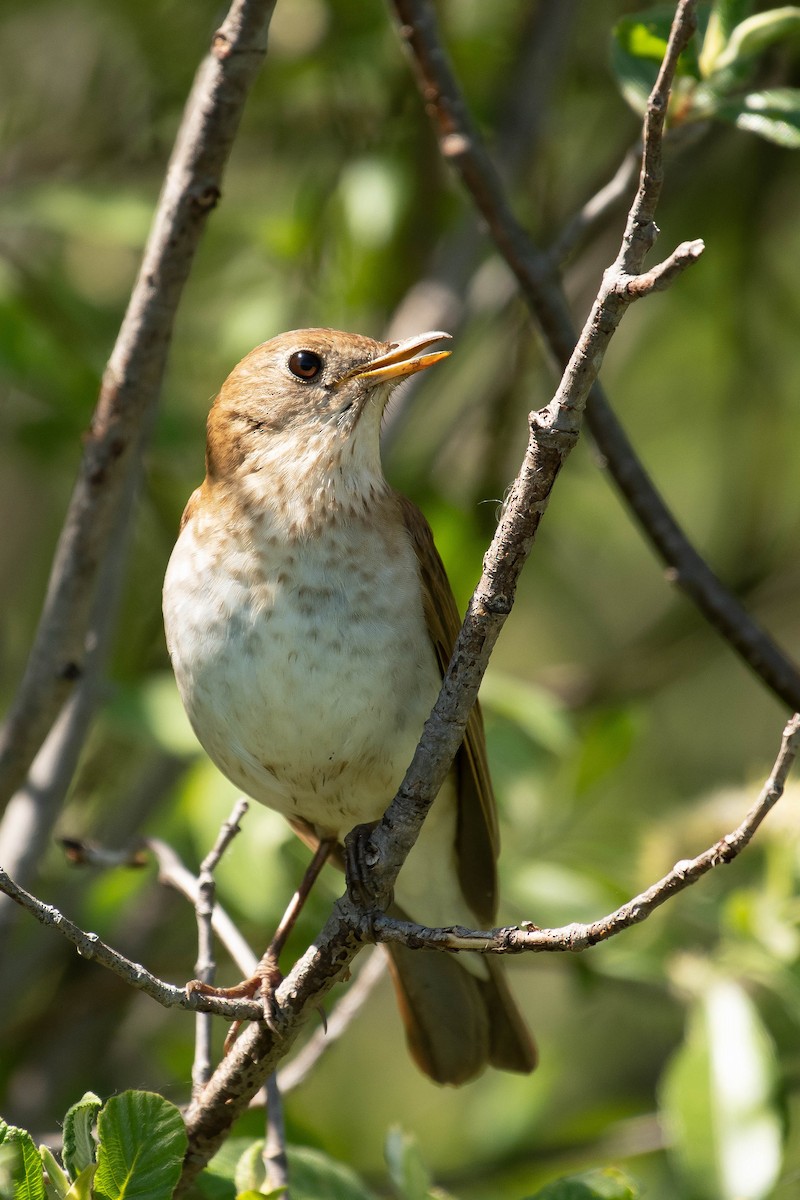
(221, 46)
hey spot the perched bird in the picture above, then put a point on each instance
(309, 619)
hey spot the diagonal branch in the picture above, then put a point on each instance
(90, 946)
(461, 145)
(126, 406)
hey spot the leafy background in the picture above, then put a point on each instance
(623, 734)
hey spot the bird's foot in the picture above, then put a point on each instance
(245, 990)
(358, 863)
(266, 980)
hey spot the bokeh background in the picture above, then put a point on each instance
(623, 734)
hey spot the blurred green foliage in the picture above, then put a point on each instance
(623, 734)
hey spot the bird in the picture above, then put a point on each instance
(309, 620)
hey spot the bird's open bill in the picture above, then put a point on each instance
(403, 358)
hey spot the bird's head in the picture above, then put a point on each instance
(308, 403)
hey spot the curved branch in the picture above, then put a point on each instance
(580, 937)
(126, 406)
(461, 145)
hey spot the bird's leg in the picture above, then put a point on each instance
(267, 976)
(267, 970)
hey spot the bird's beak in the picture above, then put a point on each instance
(402, 358)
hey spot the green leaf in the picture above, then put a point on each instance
(56, 1179)
(250, 1173)
(79, 1144)
(730, 13)
(142, 1141)
(717, 1099)
(773, 115)
(21, 1175)
(82, 1187)
(312, 1175)
(725, 16)
(605, 1184)
(637, 50)
(315, 1176)
(8, 1158)
(407, 1171)
(758, 33)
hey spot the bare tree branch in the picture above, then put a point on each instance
(90, 947)
(131, 383)
(462, 146)
(206, 965)
(173, 873)
(276, 1165)
(580, 937)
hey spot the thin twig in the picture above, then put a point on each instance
(131, 384)
(461, 145)
(90, 947)
(553, 434)
(276, 1164)
(580, 937)
(206, 966)
(173, 873)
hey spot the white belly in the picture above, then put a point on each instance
(307, 681)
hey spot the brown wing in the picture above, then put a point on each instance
(477, 838)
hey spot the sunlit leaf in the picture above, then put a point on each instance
(250, 1194)
(56, 1179)
(142, 1141)
(21, 1164)
(717, 1099)
(312, 1174)
(79, 1144)
(759, 32)
(638, 45)
(725, 16)
(773, 115)
(82, 1187)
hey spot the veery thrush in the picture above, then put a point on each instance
(309, 619)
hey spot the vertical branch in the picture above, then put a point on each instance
(206, 962)
(131, 383)
(276, 1164)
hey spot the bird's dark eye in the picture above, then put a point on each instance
(305, 364)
